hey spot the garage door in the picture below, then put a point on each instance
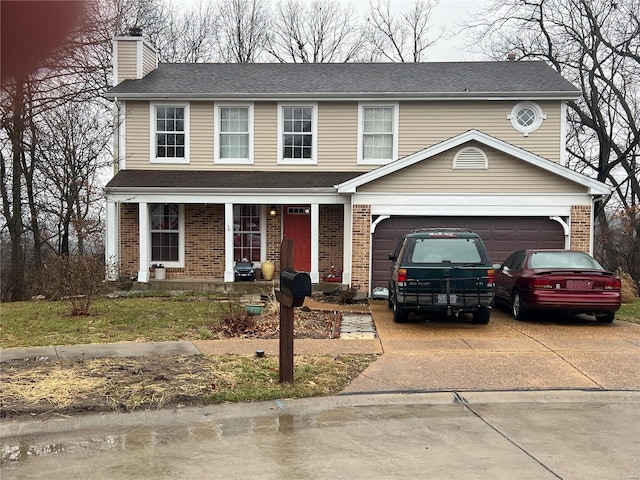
(501, 235)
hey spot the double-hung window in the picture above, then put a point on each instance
(167, 234)
(297, 133)
(246, 233)
(170, 131)
(234, 126)
(378, 134)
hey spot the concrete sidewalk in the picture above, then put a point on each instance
(196, 347)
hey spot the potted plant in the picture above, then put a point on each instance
(159, 272)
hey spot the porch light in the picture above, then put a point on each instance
(272, 211)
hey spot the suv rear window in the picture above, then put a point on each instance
(444, 250)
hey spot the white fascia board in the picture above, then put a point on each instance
(594, 187)
(346, 97)
(168, 196)
(463, 204)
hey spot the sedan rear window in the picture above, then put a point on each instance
(562, 260)
(445, 250)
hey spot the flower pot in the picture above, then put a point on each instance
(254, 309)
(268, 267)
(160, 273)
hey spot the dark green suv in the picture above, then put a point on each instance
(441, 270)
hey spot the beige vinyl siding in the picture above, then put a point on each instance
(148, 60)
(265, 135)
(423, 124)
(127, 60)
(505, 174)
(338, 137)
(201, 136)
(138, 138)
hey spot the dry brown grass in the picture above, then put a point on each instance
(629, 291)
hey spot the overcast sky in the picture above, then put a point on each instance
(445, 15)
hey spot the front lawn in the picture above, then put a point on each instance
(629, 312)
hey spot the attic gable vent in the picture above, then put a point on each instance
(470, 158)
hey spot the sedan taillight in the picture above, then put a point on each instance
(541, 283)
(613, 284)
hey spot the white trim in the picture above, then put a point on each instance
(315, 243)
(152, 131)
(120, 136)
(566, 229)
(139, 60)
(114, 61)
(564, 155)
(594, 186)
(314, 134)
(537, 121)
(144, 242)
(161, 195)
(347, 248)
(395, 133)
(112, 238)
(229, 275)
(217, 133)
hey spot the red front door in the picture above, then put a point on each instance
(297, 227)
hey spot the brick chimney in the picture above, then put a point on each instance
(133, 57)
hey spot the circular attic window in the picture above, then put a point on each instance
(526, 117)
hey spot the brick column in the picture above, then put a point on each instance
(581, 228)
(360, 247)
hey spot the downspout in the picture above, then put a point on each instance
(566, 229)
(372, 230)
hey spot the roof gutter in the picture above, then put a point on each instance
(351, 96)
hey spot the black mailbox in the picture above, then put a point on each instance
(295, 284)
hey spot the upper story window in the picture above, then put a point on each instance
(297, 133)
(526, 117)
(167, 234)
(234, 127)
(378, 134)
(170, 131)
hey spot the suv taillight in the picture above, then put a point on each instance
(402, 275)
(491, 276)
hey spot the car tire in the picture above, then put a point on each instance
(518, 311)
(606, 317)
(481, 316)
(400, 315)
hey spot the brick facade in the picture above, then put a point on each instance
(581, 228)
(360, 247)
(204, 240)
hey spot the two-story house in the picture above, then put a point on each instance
(219, 162)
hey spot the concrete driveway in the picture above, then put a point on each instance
(433, 354)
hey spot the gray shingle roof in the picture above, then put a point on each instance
(227, 180)
(343, 80)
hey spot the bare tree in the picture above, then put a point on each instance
(594, 44)
(319, 31)
(187, 36)
(243, 30)
(400, 37)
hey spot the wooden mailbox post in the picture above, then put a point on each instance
(289, 298)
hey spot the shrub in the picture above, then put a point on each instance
(235, 320)
(347, 295)
(629, 291)
(77, 279)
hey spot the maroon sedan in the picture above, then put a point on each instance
(561, 280)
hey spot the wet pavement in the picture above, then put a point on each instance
(475, 435)
(548, 399)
